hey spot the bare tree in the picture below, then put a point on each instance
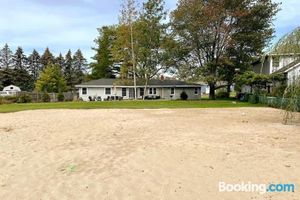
(128, 17)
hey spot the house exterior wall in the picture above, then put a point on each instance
(164, 93)
(265, 69)
(293, 74)
(205, 89)
(285, 60)
(91, 91)
(189, 91)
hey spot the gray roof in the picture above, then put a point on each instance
(100, 82)
(168, 82)
(110, 82)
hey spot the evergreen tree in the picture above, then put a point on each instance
(6, 58)
(6, 77)
(34, 65)
(19, 60)
(23, 79)
(15, 70)
(68, 70)
(51, 80)
(79, 66)
(19, 77)
(60, 61)
(103, 66)
(47, 58)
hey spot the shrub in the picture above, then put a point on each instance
(45, 97)
(243, 97)
(279, 90)
(184, 96)
(253, 98)
(24, 98)
(222, 94)
(8, 100)
(292, 102)
(60, 97)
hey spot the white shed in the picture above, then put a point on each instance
(12, 89)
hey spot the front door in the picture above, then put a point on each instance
(131, 93)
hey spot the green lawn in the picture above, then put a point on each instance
(126, 105)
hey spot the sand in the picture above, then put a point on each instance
(146, 154)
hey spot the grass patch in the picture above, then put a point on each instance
(6, 108)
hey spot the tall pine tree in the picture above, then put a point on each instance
(68, 70)
(34, 65)
(79, 66)
(47, 58)
(6, 58)
(20, 60)
(103, 65)
(60, 61)
(21, 75)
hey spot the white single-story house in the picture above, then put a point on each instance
(157, 89)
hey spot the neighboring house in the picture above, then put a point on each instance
(204, 87)
(156, 89)
(292, 71)
(10, 90)
(287, 64)
(283, 57)
(271, 63)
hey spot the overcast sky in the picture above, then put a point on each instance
(71, 24)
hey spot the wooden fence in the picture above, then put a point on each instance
(37, 96)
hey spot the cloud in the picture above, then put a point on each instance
(72, 24)
(287, 18)
(59, 25)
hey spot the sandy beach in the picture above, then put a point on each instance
(146, 154)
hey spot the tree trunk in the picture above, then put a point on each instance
(145, 89)
(228, 90)
(212, 91)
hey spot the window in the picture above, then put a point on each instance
(142, 92)
(196, 91)
(124, 92)
(172, 91)
(152, 90)
(84, 91)
(11, 88)
(276, 63)
(108, 91)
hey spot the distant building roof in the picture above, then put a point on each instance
(100, 82)
(119, 82)
(11, 88)
(169, 82)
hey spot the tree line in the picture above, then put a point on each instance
(201, 40)
(38, 72)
